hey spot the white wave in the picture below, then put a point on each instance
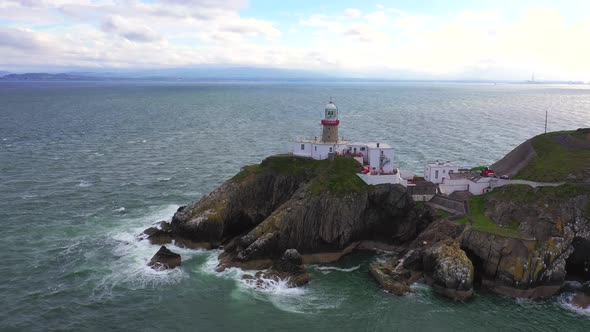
(120, 209)
(84, 184)
(27, 196)
(277, 292)
(328, 269)
(164, 179)
(130, 269)
(565, 301)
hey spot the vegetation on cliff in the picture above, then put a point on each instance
(336, 176)
(559, 156)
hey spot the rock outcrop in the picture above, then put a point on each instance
(164, 259)
(551, 241)
(288, 202)
(448, 270)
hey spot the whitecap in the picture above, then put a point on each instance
(120, 209)
(334, 268)
(565, 301)
(277, 292)
(130, 269)
(164, 179)
(84, 184)
(27, 196)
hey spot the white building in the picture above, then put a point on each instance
(377, 158)
(451, 178)
(437, 171)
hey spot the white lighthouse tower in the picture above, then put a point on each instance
(330, 124)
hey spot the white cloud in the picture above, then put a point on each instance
(477, 15)
(351, 13)
(129, 33)
(133, 32)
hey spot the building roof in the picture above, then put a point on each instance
(331, 106)
(371, 145)
(440, 163)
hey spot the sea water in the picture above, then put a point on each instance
(85, 167)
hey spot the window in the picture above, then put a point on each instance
(444, 171)
(302, 146)
(315, 148)
(363, 149)
(354, 150)
(436, 174)
(330, 149)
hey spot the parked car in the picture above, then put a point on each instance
(504, 177)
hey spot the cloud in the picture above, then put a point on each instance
(477, 15)
(351, 13)
(130, 31)
(21, 39)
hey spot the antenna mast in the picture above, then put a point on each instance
(546, 112)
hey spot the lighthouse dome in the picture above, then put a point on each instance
(331, 106)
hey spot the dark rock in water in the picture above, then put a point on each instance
(581, 300)
(291, 262)
(165, 226)
(164, 259)
(292, 256)
(448, 269)
(389, 279)
(160, 237)
(265, 246)
(570, 286)
(586, 288)
(151, 231)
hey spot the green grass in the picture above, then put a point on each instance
(477, 168)
(520, 193)
(480, 222)
(340, 177)
(441, 214)
(336, 176)
(555, 162)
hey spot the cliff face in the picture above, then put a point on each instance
(311, 206)
(552, 239)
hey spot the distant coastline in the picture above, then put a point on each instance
(241, 76)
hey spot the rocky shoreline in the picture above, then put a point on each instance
(288, 211)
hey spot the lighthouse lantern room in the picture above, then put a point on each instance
(330, 123)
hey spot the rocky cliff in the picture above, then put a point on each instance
(550, 239)
(296, 203)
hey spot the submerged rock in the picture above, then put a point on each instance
(164, 259)
(448, 269)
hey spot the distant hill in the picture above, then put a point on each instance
(205, 73)
(2, 73)
(47, 77)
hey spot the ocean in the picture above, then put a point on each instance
(85, 167)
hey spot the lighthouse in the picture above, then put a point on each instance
(376, 159)
(330, 123)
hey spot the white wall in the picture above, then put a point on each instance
(430, 172)
(381, 179)
(295, 148)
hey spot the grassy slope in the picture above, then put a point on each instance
(555, 162)
(478, 220)
(337, 176)
(519, 194)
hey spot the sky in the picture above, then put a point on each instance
(459, 39)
